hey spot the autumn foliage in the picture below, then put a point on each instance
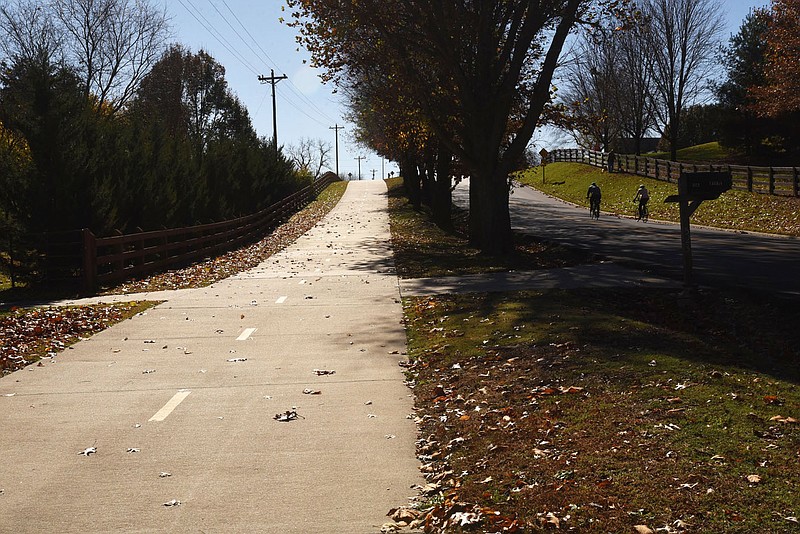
(780, 93)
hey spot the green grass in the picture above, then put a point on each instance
(738, 210)
(705, 152)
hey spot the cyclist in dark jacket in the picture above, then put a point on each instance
(642, 195)
(594, 195)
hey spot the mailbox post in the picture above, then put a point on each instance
(543, 153)
(693, 189)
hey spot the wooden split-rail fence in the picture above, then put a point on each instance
(784, 181)
(123, 257)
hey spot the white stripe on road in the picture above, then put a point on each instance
(171, 405)
(247, 333)
(281, 300)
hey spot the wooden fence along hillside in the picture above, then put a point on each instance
(123, 257)
(783, 181)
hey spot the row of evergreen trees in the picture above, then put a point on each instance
(182, 152)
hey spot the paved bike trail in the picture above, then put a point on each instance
(179, 403)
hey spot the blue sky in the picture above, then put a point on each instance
(248, 39)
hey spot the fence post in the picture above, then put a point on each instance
(750, 179)
(796, 182)
(656, 161)
(89, 261)
(771, 181)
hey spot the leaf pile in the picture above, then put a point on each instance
(573, 410)
(28, 334)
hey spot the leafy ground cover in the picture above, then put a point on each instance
(574, 409)
(29, 333)
(737, 210)
(614, 410)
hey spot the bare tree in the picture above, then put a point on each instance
(310, 156)
(114, 44)
(592, 90)
(683, 38)
(28, 32)
(634, 107)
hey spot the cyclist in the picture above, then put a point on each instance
(593, 194)
(642, 195)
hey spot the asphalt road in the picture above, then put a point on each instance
(721, 258)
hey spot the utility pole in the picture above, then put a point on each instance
(337, 128)
(359, 158)
(273, 80)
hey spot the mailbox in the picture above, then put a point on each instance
(703, 185)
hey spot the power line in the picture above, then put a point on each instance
(249, 34)
(196, 13)
(270, 62)
(216, 35)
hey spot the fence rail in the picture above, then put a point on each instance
(783, 181)
(122, 257)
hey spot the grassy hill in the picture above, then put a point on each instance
(705, 152)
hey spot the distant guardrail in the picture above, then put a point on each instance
(122, 257)
(783, 181)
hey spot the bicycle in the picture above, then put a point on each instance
(642, 213)
(594, 208)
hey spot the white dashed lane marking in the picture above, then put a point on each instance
(170, 405)
(246, 334)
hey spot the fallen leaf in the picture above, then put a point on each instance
(552, 519)
(89, 450)
(754, 479)
(288, 415)
(643, 529)
(173, 502)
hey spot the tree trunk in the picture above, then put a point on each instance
(442, 205)
(409, 172)
(491, 231)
